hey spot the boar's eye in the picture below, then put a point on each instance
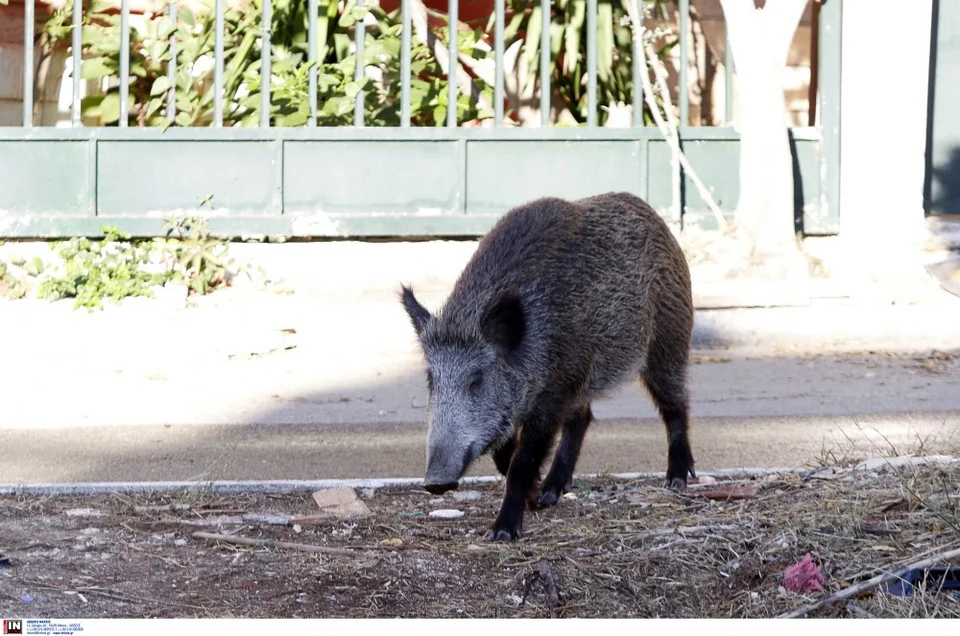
(476, 383)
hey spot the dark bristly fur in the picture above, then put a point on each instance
(562, 302)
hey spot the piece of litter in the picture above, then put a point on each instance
(341, 503)
(392, 542)
(570, 495)
(26, 598)
(83, 512)
(706, 479)
(297, 528)
(803, 577)
(369, 492)
(467, 495)
(180, 542)
(446, 513)
(927, 579)
(436, 502)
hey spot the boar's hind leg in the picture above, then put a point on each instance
(522, 476)
(560, 478)
(665, 379)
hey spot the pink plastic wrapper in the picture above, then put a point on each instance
(803, 577)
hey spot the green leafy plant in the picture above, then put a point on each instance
(192, 90)
(568, 50)
(114, 268)
(117, 267)
(10, 286)
(193, 256)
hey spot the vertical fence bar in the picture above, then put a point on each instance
(124, 63)
(453, 24)
(218, 66)
(28, 18)
(360, 35)
(637, 82)
(312, 59)
(172, 65)
(684, 87)
(545, 10)
(813, 89)
(498, 61)
(830, 57)
(77, 53)
(727, 76)
(405, 63)
(591, 63)
(266, 28)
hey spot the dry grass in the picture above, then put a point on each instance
(613, 548)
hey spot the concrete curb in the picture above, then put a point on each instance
(293, 485)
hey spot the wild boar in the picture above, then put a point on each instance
(561, 302)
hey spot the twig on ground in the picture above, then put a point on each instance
(880, 579)
(270, 543)
(549, 586)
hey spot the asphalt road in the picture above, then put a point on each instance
(379, 450)
(284, 416)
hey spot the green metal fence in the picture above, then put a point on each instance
(363, 181)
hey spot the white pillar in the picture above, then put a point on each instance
(883, 101)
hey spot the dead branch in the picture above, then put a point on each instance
(270, 543)
(880, 579)
(660, 77)
(549, 586)
(669, 134)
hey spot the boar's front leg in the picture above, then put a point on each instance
(523, 475)
(502, 457)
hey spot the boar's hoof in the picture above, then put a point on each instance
(500, 534)
(549, 498)
(439, 489)
(677, 483)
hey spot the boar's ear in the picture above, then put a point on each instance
(417, 312)
(504, 324)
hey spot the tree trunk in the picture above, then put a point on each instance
(760, 40)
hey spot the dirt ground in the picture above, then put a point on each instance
(611, 548)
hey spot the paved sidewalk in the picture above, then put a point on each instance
(318, 376)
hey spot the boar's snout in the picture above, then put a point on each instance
(439, 489)
(444, 470)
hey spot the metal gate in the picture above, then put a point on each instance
(313, 180)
